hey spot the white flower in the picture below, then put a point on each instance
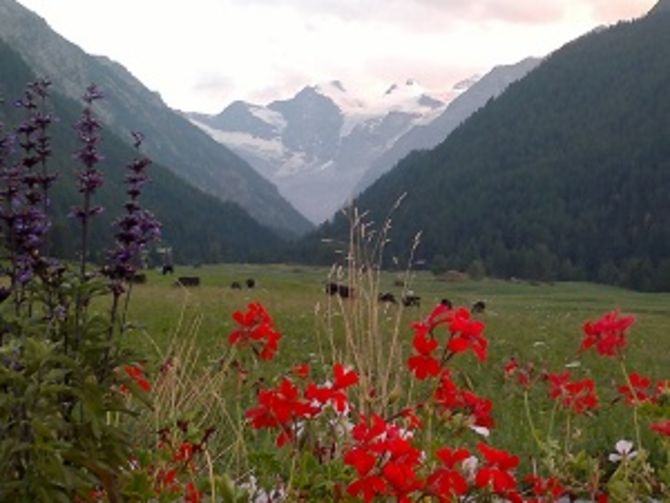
(480, 430)
(573, 365)
(470, 467)
(624, 450)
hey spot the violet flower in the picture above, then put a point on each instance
(89, 180)
(137, 228)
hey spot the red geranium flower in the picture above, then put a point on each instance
(607, 334)
(496, 473)
(255, 326)
(423, 365)
(546, 490)
(137, 374)
(453, 399)
(467, 334)
(446, 482)
(662, 427)
(639, 390)
(578, 396)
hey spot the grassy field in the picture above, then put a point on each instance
(538, 322)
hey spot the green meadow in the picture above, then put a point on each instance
(533, 322)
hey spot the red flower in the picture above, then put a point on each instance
(137, 374)
(191, 494)
(255, 326)
(546, 490)
(367, 488)
(343, 378)
(455, 400)
(446, 482)
(607, 334)
(384, 460)
(423, 365)
(523, 375)
(279, 408)
(334, 393)
(579, 396)
(301, 370)
(467, 334)
(662, 427)
(639, 390)
(495, 474)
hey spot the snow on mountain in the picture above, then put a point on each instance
(317, 145)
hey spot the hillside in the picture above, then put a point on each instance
(171, 139)
(198, 226)
(565, 176)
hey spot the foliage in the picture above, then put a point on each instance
(60, 378)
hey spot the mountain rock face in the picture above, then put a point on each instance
(566, 175)
(317, 145)
(476, 93)
(170, 139)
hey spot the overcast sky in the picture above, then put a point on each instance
(203, 54)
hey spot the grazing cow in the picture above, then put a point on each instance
(447, 303)
(479, 306)
(251, 283)
(387, 297)
(139, 278)
(410, 299)
(336, 289)
(188, 281)
(344, 291)
(168, 269)
(235, 285)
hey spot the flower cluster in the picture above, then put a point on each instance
(640, 389)
(25, 190)
(607, 334)
(286, 406)
(577, 396)
(255, 329)
(137, 228)
(454, 400)
(385, 461)
(464, 333)
(89, 180)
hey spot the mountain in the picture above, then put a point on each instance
(199, 227)
(566, 175)
(475, 93)
(317, 145)
(663, 6)
(171, 140)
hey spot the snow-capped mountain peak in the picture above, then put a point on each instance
(336, 91)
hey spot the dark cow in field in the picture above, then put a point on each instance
(447, 303)
(251, 282)
(387, 297)
(188, 281)
(343, 291)
(410, 299)
(168, 269)
(479, 306)
(235, 285)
